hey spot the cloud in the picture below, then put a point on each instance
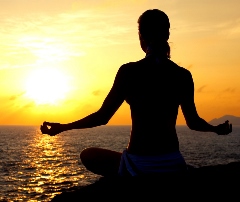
(233, 29)
(189, 66)
(84, 26)
(23, 7)
(37, 37)
(29, 105)
(229, 90)
(206, 18)
(13, 55)
(200, 90)
(228, 94)
(15, 97)
(96, 92)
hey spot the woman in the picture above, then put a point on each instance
(154, 87)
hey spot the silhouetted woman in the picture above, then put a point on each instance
(154, 87)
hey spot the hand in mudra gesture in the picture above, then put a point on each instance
(51, 129)
(224, 128)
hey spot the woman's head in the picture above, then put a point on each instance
(153, 27)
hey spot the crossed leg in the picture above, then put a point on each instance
(101, 161)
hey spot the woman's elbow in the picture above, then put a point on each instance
(196, 124)
(192, 125)
(189, 125)
(103, 119)
(104, 122)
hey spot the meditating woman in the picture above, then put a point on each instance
(154, 87)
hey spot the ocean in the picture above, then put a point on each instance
(36, 167)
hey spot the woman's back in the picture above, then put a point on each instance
(154, 90)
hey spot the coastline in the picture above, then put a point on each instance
(208, 181)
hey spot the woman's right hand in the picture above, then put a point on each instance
(51, 129)
(224, 128)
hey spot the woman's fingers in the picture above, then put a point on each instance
(226, 128)
(45, 123)
(44, 129)
(230, 128)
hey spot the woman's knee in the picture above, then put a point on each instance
(87, 154)
(99, 155)
(100, 161)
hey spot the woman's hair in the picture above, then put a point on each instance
(153, 26)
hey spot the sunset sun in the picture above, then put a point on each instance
(47, 86)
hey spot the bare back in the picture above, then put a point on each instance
(154, 92)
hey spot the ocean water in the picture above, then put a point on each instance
(36, 167)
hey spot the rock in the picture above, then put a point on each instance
(208, 182)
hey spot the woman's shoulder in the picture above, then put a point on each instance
(180, 68)
(132, 66)
(168, 65)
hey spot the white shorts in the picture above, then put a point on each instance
(138, 165)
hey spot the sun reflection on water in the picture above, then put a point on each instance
(36, 167)
(47, 168)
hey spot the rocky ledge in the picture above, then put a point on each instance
(217, 182)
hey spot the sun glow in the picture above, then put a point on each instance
(47, 86)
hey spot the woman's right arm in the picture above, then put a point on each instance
(112, 102)
(189, 110)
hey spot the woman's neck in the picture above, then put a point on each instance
(155, 52)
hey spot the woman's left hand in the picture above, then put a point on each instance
(224, 128)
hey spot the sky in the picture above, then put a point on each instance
(59, 58)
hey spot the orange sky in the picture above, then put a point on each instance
(79, 45)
